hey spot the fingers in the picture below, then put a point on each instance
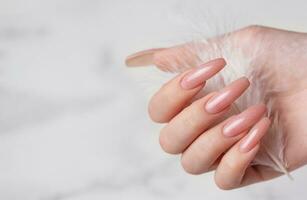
(231, 170)
(183, 129)
(210, 145)
(177, 93)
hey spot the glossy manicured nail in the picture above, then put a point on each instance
(255, 134)
(244, 120)
(227, 96)
(202, 73)
(142, 58)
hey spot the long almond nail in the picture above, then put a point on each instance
(202, 73)
(227, 96)
(142, 58)
(244, 120)
(255, 134)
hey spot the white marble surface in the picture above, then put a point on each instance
(73, 121)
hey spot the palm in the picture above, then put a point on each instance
(288, 62)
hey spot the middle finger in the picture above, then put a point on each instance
(185, 127)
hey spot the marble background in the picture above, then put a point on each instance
(73, 120)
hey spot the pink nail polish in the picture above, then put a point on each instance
(227, 96)
(244, 120)
(142, 58)
(254, 136)
(202, 73)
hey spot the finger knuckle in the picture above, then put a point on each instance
(189, 167)
(163, 105)
(230, 165)
(191, 116)
(254, 28)
(153, 111)
(195, 161)
(167, 145)
(222, 184)
(252, 31)
(222, 181)
(224, 178)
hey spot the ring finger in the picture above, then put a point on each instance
(209, 146)
(202, 114)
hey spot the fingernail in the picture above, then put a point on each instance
(227, 96)
(255, 134)
(142, 58)
(244, 120)
(202, 73)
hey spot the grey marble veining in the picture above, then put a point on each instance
(73, 121)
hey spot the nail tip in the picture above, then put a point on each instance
(127, 62)
(223, 61)
(141, 58)
(246, 79)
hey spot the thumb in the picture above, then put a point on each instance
(172, 59)
(142, 58)
(177, 58)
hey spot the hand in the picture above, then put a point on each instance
(199, 131)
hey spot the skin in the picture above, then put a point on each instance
(196, 131)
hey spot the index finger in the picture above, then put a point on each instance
(177, 93)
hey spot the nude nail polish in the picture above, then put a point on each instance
(227, 96)
(202, 73)
(255, 134)
(142, 58)
(244, 120)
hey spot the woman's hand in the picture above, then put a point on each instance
(201, 130)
